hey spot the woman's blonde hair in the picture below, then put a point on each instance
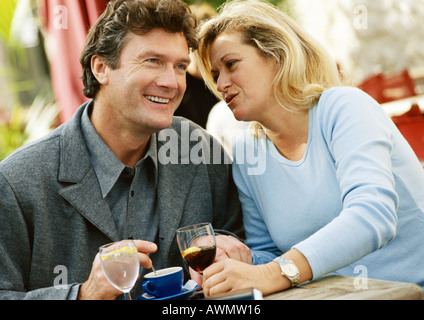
(305, 67)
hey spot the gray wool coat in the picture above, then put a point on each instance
(53, 217)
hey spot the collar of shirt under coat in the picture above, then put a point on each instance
(107, 166)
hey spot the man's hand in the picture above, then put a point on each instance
(97, 287)
(228, 247)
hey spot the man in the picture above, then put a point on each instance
(110, 173)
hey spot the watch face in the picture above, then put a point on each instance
(290, 269)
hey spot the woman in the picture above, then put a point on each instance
(339, 189)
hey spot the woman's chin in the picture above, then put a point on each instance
(238, 114)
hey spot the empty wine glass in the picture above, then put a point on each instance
(197, 245)
(120, 264)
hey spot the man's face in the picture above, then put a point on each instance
(143, 93)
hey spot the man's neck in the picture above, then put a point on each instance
(127, 146)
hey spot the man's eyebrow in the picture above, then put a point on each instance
(186, 60)
(144, 53)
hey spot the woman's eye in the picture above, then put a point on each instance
(230, 63)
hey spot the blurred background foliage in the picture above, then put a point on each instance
(25, 85)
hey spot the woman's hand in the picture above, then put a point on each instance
(227, 247)
(229, 275)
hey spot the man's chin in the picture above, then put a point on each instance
(163, 123)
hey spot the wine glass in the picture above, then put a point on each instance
(120, 264)
(197, 245)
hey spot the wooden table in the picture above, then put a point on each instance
(350, 288)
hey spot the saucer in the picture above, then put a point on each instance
(183, 295)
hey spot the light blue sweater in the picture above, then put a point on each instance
(353, 205)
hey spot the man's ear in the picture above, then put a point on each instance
(100, 69)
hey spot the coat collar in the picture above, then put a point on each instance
(81, 188)
(74, 157)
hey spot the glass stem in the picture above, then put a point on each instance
(203, 279)
(127, 295)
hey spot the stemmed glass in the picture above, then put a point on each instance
(120, 264)
(197, 245)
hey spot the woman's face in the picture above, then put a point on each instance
(243, 77)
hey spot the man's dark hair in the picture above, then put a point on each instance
(108, 35)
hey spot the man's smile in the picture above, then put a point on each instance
(158, 99)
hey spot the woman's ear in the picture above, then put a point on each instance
(100, 69)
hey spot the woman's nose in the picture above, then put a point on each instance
(223, 83)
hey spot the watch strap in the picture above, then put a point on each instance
(284, 261)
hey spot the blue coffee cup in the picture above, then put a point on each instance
(164, 282)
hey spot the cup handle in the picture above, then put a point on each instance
(148, 287)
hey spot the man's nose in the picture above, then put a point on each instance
(167, 78)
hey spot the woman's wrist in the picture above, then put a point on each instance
(276, 281)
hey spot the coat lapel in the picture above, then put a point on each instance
(172, 195)
(81, 188)
(85, 197)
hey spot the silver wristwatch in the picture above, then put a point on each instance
(289, 270)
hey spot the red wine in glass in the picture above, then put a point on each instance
(197, 245)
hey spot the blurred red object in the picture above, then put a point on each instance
(66, 23)
(411, 125)
(385, 88)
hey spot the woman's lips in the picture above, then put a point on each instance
(229, 98)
